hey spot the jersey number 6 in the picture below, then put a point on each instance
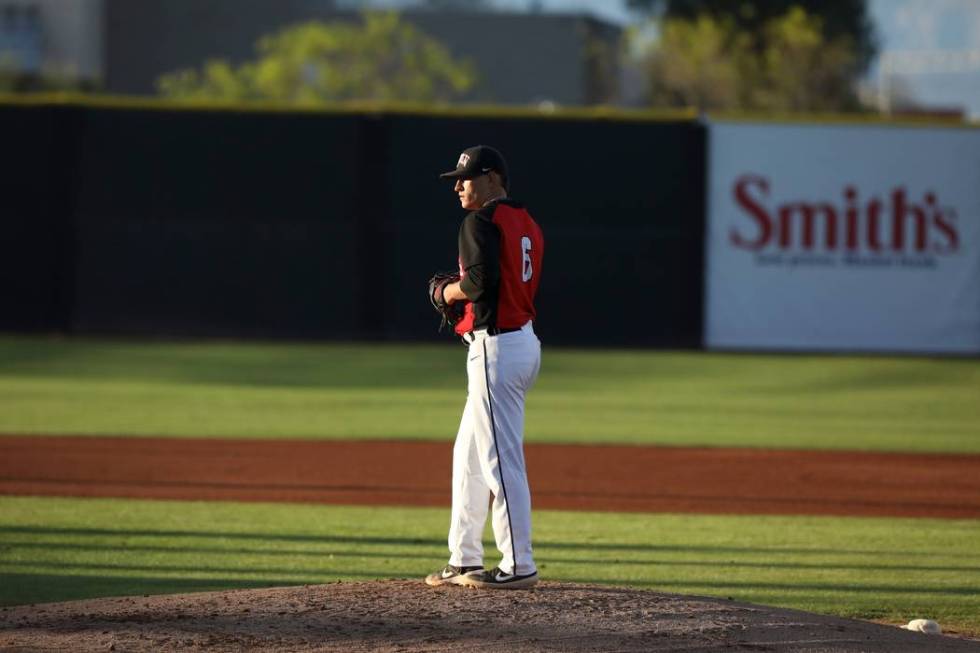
(526, 256)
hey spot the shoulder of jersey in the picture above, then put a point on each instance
(484, 213)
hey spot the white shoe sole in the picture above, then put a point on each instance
(435, 580)
(518, 584)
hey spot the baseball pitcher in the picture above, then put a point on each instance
(490, 304)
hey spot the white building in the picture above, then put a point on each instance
(53, 37)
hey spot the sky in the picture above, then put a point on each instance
(934, 25)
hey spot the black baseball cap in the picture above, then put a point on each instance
(478, 160)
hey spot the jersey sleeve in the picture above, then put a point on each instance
(479, 256)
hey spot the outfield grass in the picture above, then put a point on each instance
(887, 569)
(83, 386)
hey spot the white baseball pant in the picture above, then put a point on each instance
(488, 458)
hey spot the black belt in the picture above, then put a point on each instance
(491, 331)
(496, 332)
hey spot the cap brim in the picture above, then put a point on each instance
(463, 173)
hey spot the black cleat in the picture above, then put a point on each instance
(497, 579)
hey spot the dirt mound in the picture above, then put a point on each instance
(402, 616)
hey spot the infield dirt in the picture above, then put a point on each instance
(567, 477)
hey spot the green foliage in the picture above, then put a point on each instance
(698, 63)
(381, 59)
(8, 76)
(456, 5)
(712, 63)
(886, 569)
(800, 71)
(602, 59)
(12, 80)
(80, 386)
(847, 19)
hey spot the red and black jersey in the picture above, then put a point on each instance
(501, 249)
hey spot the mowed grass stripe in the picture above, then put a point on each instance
(222, 389)
(886, 569)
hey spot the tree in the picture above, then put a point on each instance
(801, 72)
(456, 5)
(8, 74)
(15, 80)
(380, 59)
(697, 64)
(840, 19)
(709, 62)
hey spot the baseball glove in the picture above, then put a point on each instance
(451, 313)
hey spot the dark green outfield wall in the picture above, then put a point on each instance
(149, 221)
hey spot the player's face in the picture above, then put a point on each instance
(473, 193)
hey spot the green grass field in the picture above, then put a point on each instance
(889, 569)
(885, 569)
(81, 386)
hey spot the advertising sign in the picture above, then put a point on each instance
(843, 238)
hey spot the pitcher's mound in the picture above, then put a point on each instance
(401, 615)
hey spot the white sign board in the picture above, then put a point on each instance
(843, 238)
